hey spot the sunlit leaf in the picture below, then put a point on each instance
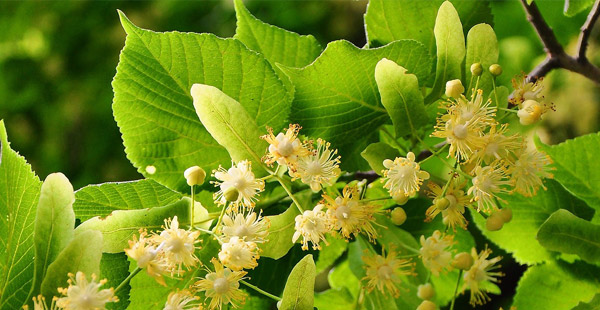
(299, 288)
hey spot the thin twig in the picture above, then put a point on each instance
(586, 31)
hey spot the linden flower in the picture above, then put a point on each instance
(475, 110)
(384, 271)
(241, 178)
(250, 228)
(487, 184)
(464, 138)
(482, 270)
(238, 254)
(84, 295)
(404, 175)
(312, 225)
(222, 286)
(178, 245)
(528, 170)
(148, 256)
(319, 167)
(286, 148)
(434, 251)
(182, 300)
(349, 216)
(526, 90)
(531, 111)
(452, 208)
(39, 303)
(496, 145)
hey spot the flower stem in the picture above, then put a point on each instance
(192, 203)
(456, 290)
(220, 218)
(256, 288)
(375, 199)
(129, 277)
(289, 192)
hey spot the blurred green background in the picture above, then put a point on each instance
(57, 60)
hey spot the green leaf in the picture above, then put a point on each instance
(230, 124)
(153, 106)
(280, 233)
(334, 299)
(329, 254)
(450, 42)
(401, 97)
(83, 254)
(276, 44)
(115, 268)
(342, 277)
(20, 189)
(482, 47)
(577, 163)
(565, 232)
(556, 286)
(299, 288)
(54, 224)
(102, 199)
(120, 226)
(336, 96)
(593, 304)
(573, 7)
(376, 153)
(518, 237)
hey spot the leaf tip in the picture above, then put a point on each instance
(128, 26)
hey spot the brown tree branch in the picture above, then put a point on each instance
(556, 56)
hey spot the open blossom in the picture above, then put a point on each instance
(182, 300)
(178, 245)
(482, 270)
(85, 295)
(148, 256)
(222, 286)
(238, 254)
(319, 167)
(403, 175)
(531, 111)
(528, 170)
(475, 110)
(286, 148)
(250, 227)
(435, 251)
(349, 215)
(384, 271)
(451, 205)
(488, 182)
(496, 146)
(312, 225)
(241, 178)
(526, 90)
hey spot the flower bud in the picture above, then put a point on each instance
(400, 198)
(425, 291)
(476, 69)
(398, 216)
(494, 222)
(441, 203)
(454, 88)
(427, 305)
(495, 69)
(231, 194)
(194, 175)
(505, 214)
(462, 261)
(530, 112)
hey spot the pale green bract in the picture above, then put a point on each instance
(299, 288)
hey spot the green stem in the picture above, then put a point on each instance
(129, 277)
(456, 290)
(495, 92)
(220, 218)
(289, 192)
(434, 154)
(507, 110)
(389, 134)
(192, 203)
(256, 288)
(375, 199)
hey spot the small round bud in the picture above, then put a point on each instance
(530, 113)
(231, 194)
(494, 222)
(441, 203)
(495, 69)
(425, 291)
(454, 88)
(194, 175)
(476, 69)
(427, 305)
(505, 214)
(463, 261)
(398, 216)
(400, 198)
